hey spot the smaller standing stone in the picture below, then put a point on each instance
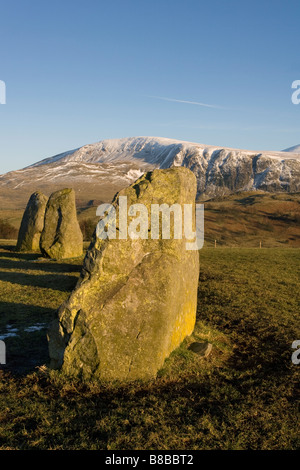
(61, 237)
(32, 223)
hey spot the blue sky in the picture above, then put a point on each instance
(78, 72)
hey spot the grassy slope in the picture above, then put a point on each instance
(242, 397)
(246, 219)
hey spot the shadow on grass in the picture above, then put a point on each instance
(46, 264)
(250, 200)
(40, 265)
(10, 252)
(34, 261)
(23, 326)
(30, 262)
(25, 349)
(46, 281)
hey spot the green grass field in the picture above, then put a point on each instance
(243, 396)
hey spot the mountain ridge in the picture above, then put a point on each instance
(99, 170)
(141, 145)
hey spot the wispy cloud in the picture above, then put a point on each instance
(197, 103)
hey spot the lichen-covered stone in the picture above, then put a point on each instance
(32, 223)
(135, 300)
(61, 237)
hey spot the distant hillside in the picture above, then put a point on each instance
(246, 219)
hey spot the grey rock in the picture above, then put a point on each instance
(202, 349)
(61, 237)
(32, 223)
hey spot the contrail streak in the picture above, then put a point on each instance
(187, 102)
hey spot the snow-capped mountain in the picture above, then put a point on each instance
(99, 170)
(295, 149)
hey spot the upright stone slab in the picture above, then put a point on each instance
(32, 223)
(61, 237)
(136, 299)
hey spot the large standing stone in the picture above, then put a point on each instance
(32, 223)
(61, 237)
(136, 299)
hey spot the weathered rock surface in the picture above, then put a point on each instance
(32, 223)
(136, 299)
(61, 237)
